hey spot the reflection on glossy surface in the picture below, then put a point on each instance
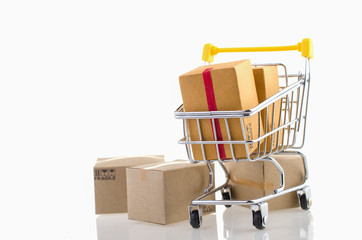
(282, 224)
(230, 223)
(117, 226)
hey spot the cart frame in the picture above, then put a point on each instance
(291, 128)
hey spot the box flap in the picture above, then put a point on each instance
(165, 166)
(226, 65)
(129, 161)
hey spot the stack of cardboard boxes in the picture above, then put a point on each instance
(110, 181)
(148, 188)
(153, 190)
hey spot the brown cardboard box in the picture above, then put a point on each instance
(162, 193)
(220, 87)
(110, 181)
(252, 180)
(267, 84)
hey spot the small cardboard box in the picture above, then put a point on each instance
(162, 193)
(110, 181)
(267, 84)
(252, 180)
(220, 87)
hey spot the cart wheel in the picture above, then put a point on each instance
(258, 220)
(194, 219)
(304, 202)
(305, 198)
(260, 214)
(226, 196)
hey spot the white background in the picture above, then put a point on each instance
(88, 79)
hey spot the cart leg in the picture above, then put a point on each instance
(195, 216)
(281, 172)
(211, 176)
(260, 214)
(305, 198)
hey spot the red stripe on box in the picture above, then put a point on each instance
(211, 102)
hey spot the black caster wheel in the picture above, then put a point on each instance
(304, 202)
(260, 214)
(258, 220)
(195, 219)
(226, 195)
(305, 198)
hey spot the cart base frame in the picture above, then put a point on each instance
(258, 206)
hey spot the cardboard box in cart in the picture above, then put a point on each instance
(252, 180)
(267, 84)
(110, 181)
(162, 193)
(220, 87)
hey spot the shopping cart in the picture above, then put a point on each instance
(289, 132)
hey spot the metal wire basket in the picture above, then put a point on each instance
(281, 128)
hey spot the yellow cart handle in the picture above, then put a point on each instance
(305, 47)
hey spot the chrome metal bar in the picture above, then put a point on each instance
(281, 172)
(286, 76)
(208, 194)
(265, 129)
(225, 184)
(290, 117)
(239, 141)
(307, 101)
(216, 142)
(245, 139)
(307, 87)
(248, 202)
(304, 84)
(272, 128)
(259, 132)
(306, 171)
(188, 147)
(200, 136)
(279, 125)
(285, 120)
(211, 176)
(241, 113)
(297, 123)
(289, 75)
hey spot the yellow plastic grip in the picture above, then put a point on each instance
(305, 47)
